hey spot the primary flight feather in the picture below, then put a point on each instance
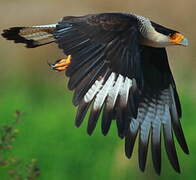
(118, 65)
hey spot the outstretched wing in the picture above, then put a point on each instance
(111, 72)
(105, 66)
(159, 108)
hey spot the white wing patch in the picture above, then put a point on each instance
(102, 94)
(116, 85)
(113, 94)
(93, 90)
(124, 91)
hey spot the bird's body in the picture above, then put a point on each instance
(118, 65)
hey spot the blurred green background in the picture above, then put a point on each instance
(48, 132)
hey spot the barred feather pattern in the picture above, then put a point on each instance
(33, 36)
(154, 113)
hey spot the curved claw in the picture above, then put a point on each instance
(61, 65)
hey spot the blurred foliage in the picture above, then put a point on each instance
(15, 168)
(48, 132)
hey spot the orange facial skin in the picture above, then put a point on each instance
(62, 64)
(176, 38)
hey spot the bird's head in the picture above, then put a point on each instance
(167, 37)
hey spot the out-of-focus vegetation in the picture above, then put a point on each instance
(48, 132)
(14, 168)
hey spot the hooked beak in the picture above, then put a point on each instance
(184, 42)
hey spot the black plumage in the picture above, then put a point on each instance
(93, 118)
(107, 117)
(81, 112)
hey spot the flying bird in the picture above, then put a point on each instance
(118, 67)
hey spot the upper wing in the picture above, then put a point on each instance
(105, 66)
(110, 38)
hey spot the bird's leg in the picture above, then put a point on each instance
(62, 64)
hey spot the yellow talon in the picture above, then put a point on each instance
(62, 64)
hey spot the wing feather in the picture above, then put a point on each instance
(169, 142)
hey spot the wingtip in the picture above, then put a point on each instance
(186, 150)
(89, 131)
(77, 124)
(177, 169)
(157, 166)
(104, 132)
(128, 148)
(175, 165)
(158, 170)
(142, 167)
(106, 121)
(128, 155)
(142, 161)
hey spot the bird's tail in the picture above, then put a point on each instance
(31, 36)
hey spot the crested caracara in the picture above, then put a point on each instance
(117, 64)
